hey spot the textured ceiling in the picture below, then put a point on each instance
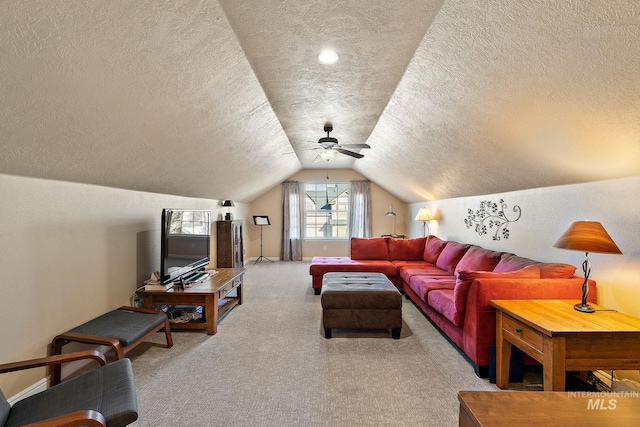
(206, 98)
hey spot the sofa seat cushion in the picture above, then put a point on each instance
(373, 248)
(402, 263)
(451, 255)
(322, 265)
(406, 273)
(478, 259)
(423, 285)
(441, 300)
(406, 249)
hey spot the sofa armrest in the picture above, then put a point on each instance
(479, 330)
(482, 291)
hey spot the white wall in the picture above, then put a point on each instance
(68, 253)
(546, 214)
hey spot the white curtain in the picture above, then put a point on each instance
(359, 209)
(291, 247)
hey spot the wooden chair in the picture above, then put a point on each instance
(105, 396)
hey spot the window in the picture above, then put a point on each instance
(326, 211)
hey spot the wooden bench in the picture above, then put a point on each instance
(122, 329)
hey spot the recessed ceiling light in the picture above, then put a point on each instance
(328, 57)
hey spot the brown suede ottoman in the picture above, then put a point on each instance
(360, 301)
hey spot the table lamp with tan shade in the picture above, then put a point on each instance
(424, 215)
(587, 236)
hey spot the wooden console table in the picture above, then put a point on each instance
(207, 294)
(546, 409)
(564, 339)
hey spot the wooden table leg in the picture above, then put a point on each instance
(503, 355)
(239, 291)
(554, 363)
(211, 313)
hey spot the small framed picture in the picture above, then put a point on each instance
(261, 220)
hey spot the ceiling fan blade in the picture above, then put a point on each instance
(350, 153)
(355, 146)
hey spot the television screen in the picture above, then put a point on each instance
(185, 245)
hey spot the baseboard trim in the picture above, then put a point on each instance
(30, 391)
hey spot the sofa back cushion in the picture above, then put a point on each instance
(369, 248)
(465, 278)
(406, 249)
(556, 270)
(510, 262)
(479, 259)
(433, 248)
(451, 255)
(548, 270)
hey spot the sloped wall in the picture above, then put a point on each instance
(68, 253)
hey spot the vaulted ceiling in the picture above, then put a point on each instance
(226, 99)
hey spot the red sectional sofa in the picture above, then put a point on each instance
(453, 283)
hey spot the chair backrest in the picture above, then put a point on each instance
(5, 408)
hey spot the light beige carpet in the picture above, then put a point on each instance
(270, 365)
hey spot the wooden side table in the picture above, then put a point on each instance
(547, 409)
(564, 339)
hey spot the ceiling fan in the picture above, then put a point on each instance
(330, 146)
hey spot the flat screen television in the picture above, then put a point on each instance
(185, 244)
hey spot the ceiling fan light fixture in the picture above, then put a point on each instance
(328, 56)
(327, 154)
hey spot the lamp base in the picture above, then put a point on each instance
(585, 308)
(228, 216)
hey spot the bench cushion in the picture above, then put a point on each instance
(125, 326)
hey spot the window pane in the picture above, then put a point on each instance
(326, 211)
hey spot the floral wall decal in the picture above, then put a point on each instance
(492, 215)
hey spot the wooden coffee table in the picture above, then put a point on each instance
(564, 339)
(208, 294)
